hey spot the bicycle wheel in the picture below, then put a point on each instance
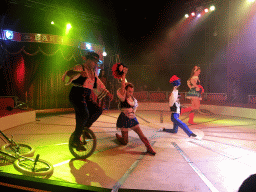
(20, 148)
(22, 106)
(88, 141)
(27, 166)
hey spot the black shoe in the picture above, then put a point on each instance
(172, 131)
(78, 145)
(86, 134)
(193, 135)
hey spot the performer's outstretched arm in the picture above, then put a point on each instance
(122, 92)
(74, 74)
(101, 90)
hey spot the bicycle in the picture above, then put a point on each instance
(21, 157)
(17, 105)
(88, 141)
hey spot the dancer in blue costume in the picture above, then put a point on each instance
(175, 108)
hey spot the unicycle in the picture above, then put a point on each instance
(18, 105)
(87, 140)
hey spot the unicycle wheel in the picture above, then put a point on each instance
(27, 166)
(87, 140)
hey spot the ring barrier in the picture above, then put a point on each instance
(160, 96)
(252, 99)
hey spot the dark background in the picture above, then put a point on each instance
(151, 38)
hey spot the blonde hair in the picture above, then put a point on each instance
(196, 68)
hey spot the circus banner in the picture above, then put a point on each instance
(47, 38)
(41, 38)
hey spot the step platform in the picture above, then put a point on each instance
(9, 119)
(15, 117)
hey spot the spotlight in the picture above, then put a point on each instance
(187, 16)
(250, 1)
(68, 27)
(206, 10)
(212, 8)
(104, 54)
(88, 46)
(52, 22)
(193, 14)
(9, 34)
(199, 15)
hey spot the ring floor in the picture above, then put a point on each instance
(222, 157)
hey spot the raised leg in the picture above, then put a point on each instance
(191, 117)
(184, 110)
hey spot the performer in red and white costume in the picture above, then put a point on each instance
(127, 119)
(194, 93)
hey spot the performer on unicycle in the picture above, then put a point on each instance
(127, 119)
(84, 81)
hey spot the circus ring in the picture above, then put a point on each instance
(220, 161)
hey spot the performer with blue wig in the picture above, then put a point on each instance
(175, 108)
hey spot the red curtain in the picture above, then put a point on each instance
(19, 74)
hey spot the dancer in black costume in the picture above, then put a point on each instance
(127, 119)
